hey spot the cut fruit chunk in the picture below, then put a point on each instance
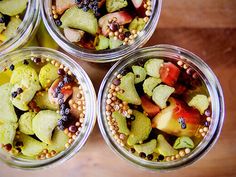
(62, 5)
(149, 84)
(12, 27)
(78, 19)
(147, 148)
(44, 123)
(200, 102)
(12, 7)
(42, 101)
(73, 35)
(26, 78)
(114, 43)
(114, 5)
(44, 39)
(161, 94)
(153, 66)
(31, 147)
(59, 139)
(47, 75)
(121, 121)
(183, 142)
(164, 148)
(25, 123)
(137, 24)
(169, 73)
(103, 43)
(168, 120)
(140, 74)
(66, 90)
(130, 94)
(122, 17)
(149, 107)
(7, 112)
(140, 128)
(7, 132)
(139, 6)
(137, 3)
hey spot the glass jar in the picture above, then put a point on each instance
(26, 30)
(103, 55)
(90, 104)
(174, 54)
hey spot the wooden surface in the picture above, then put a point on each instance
(207, 28)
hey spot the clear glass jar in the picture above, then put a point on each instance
(174, 54)
(26, 30)
(90, 104)
(104, 55)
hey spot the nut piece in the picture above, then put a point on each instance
(73, 35)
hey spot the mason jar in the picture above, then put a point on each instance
(26, 30)
(90, 106)
(103, 55)
(174, 54)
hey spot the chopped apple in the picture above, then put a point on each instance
(66, 91)
(149, 107)
(123, 18)
(73, 35)
(62, 5)
(168, 120)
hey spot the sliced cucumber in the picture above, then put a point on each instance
(59, 139)
(7, 132)
(43, 102)
(47, 75)
(130, 94)
(114, 43)
(161, 94)
(7, 112)
(153, 66)
(79, 19)
(137, 24)
(31, 147)
(149, 84)
(103, 43)
(25, 123)
(183, 142)
(147, 148)
(200, 102)
(121, 121)
(140, 74)
(164, 148)
(140, 128)
(44, 123)
(114, 5)
(12, 7)
(12, 27)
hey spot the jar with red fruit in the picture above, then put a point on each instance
(19, 21)
(48, 108)
(101, 30)
(161, 108)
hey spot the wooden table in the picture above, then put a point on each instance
(205, 27)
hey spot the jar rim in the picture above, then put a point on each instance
(104, 55)
(213, 88)
(90, 104)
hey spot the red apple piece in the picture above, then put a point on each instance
(168, 120)
(149, 106)
(123, 18)
(62, 5)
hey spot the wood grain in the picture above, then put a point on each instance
(198, 14)
(206, 28)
